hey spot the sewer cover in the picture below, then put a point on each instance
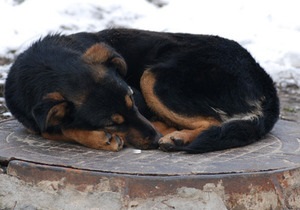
(278, 150)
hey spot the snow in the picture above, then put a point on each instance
(269, 29)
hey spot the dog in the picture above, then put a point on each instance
(146, 89)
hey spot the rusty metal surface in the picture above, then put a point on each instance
(277, 189)
(279, 150)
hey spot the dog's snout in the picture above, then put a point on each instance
(144, 138)
(153, 140)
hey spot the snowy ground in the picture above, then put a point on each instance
(269, 29)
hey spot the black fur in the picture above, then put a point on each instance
(196, 75)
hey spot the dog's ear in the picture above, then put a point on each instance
(102, 53)
(51, 111)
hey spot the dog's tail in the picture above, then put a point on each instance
(238, 132)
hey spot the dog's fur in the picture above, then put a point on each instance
(202, 93)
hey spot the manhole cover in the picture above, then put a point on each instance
(279, 150)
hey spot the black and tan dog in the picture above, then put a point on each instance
(202, 93)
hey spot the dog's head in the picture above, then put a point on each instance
(105, 104)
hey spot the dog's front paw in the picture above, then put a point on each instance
(95, 139)
(113, 142)
(169, 142)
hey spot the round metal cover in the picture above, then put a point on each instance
(279, 150)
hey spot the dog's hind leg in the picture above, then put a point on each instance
(190, 127)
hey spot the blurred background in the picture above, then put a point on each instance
(269, 29)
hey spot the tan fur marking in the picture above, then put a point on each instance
(95, 139)
(163, 128)
(54, 96)
(98, 53)
(128, 101)
(98, 72)
(76, 98)
(147, 85)
(56, 114)
(117, 118)
(120, 64)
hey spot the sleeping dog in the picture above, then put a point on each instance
(175, 91)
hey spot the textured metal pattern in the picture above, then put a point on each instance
(279, 150)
